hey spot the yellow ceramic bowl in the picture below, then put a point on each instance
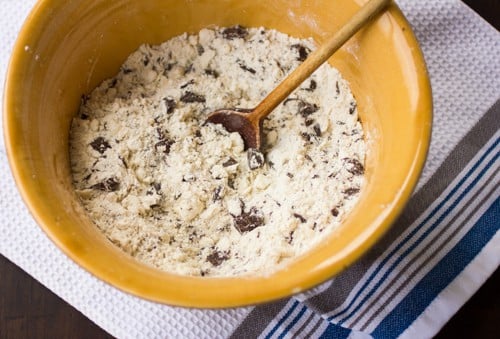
(66, 48)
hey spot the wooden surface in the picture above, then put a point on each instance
(29, 310)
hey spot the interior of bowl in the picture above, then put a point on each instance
(66, 48)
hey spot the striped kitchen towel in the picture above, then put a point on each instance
(442, 248)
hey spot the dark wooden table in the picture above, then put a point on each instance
(29, 310)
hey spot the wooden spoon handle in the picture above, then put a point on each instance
(317, 58)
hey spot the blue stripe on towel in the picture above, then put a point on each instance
(335, 332)
(280, 322)
(293, 322)
(412, 306)
(415, 230)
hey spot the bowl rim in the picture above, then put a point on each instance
(39, 13)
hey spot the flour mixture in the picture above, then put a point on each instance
(184, 196)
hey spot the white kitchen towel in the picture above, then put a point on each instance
(439, 252)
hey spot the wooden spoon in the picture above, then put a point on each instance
(248, 122)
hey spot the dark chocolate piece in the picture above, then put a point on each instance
(190, 82)
(352, 107)
(334, 211)
(169, 105)
(217, 193)
(301, 218)
(306, 109)
(229, 162)
(200, 49)
(157, 187)
(354, 166)
(350, 191)
(255, 158)
(312, 86)
(248, 221)
(189, 97)
(100, 145)
(108, 185)
(211, 72)
(84, 99)
(317, 130)
(218, 257)
(303, 51)
(305, 136)
(165, 142)
(236, 32)
(245, 67)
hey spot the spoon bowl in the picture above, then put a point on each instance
(248, 122)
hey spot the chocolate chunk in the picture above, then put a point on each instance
(113, 83)
(211, 72)
(334, 211)
(301, 218)
(100, 145)
(317, 130)
(352, 107)
(217, 193)
(123, 162)
(312, 86)
(230, 182)
(337, 88)
(255, 158)
(157, 187)
(234, 32)
(289, 239)
(108, 185)
(200, 49)
(84, 99)
(245, 67)
(248, 221)
(190, 82)
(164, 142)
(305, 136)
(218, 257)
(229, 162)
(84, 116)
(306, 109)
(290, 175)
(350, 191)
(146, 60)
(354, 166)
(188, 69)
(188, 178)
(169, 105)
(309, 122)
(189, 97)
(303, 51)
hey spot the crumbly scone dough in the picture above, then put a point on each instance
(184, 196)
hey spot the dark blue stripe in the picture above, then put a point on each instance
(403, 315)
(287, 314)
(293, 322)
(335, 332)
(415, 230)
(436, 223)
